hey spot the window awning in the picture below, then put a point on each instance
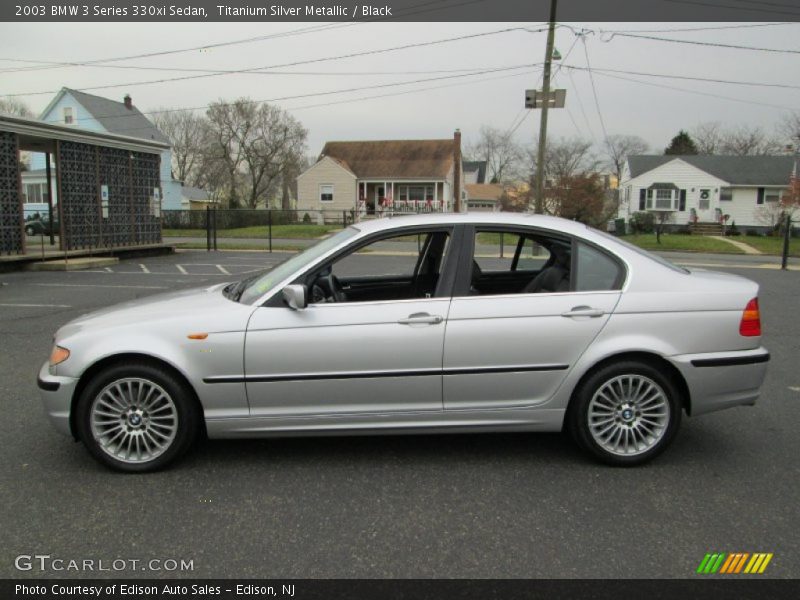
(663, 186)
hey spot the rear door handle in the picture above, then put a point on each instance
(421, 319)
(584, 311)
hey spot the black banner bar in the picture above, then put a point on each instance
(184, 11)
(733, 588)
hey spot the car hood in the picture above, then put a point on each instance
(207, 306)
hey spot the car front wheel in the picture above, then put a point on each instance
(626, 413)
(136, 418)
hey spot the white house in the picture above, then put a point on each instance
(87, 111)
(703, 189)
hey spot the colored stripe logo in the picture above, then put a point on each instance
(734, 563)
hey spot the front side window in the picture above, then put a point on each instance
(726, 194)
(326, 193)
(69, 116)
(399, 266)
(663, 199)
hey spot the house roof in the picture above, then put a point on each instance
(484, 191)
(194, 194)
(394, 159)
(736, 170)
(113, 116)
(476, 165)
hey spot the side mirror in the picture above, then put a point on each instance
(295, 296)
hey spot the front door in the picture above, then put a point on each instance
(370, 342)
(512, 346)
(705, 210)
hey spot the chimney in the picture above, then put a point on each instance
(128, 102)
(457, 171)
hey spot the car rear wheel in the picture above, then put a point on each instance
(137, 418)
(626, 413)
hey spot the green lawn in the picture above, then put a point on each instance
(682, 243)
(260, 232)
(770, 245)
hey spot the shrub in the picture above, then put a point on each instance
(642, 222)
(733, 230)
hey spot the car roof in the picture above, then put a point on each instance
(483, 218)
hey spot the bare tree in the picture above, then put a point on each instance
(565, 159)
(743, 140)
(503, 156)
(254, 142)
(188, 133)
(13, 106)
(790, 129)
(708, 137)
(619, 147)
(749, 141)
(662, 217)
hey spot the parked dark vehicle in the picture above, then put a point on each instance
(40, 227)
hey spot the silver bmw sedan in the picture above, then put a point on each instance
(423, 324)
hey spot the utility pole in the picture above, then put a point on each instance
(548, 60)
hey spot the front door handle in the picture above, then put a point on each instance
(584, 311)
(421, 319)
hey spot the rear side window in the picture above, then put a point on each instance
(596, 270)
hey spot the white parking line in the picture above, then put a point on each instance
(181, 269)
(144, 269)
(794, 388)
(109, 270)
(39, 305)
(223, 270)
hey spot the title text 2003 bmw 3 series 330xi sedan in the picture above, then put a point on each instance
(442, 323)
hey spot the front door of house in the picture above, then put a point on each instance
(705, 208)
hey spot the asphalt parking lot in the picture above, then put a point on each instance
(478, 506)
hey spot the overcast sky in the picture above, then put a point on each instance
(495, 98)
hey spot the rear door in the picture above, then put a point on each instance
(514, 349)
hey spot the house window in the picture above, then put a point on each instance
(326, 193)
(69, 116)
(34, 193)
(726, 194)
(772, 195)
(415, 192)
(663, 199)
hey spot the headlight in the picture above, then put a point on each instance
(58, 355)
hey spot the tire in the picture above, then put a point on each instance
(137, 417)
(625, 413)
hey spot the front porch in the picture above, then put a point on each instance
(381, 197)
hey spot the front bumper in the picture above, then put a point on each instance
(719, 380)
(56, 394)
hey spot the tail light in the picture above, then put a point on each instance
(750, 324)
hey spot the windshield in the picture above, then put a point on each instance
(251, 289)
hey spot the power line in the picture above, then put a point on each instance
(324, 93)
(44, 65)
(594, 91)
(405, 92)
(691, 29)
(580, 104)
(699, 93)
(708, 44)
(295, 63)
(689, 78)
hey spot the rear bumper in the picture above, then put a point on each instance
(56, 394)
(720, 380)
